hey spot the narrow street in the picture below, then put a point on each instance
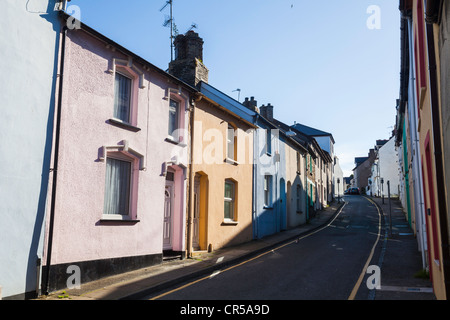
(325, 265)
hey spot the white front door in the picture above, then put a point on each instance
(168, 210)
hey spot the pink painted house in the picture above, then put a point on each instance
(121, 162)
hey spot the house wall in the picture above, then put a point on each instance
(427, 149)
(294, 178)
(82, 235)
(340, 187)
(272, 218)
(28, 60)
(388, 161)
(418, 210)
(209, 152)
(444, 74)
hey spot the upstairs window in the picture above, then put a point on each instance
(229, 200)
(174, 107)
(122, 97)
(268, 141)
(231, 143)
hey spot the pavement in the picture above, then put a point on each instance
(398, 259)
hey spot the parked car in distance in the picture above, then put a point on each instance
(351, 191)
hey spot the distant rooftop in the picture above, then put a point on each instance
(312, 131)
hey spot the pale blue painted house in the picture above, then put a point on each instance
(28, 60)
(269, 181)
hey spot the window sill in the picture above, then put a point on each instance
(231, 161)
(172, 140)
(118, 219)
(268, 207)
(123, 125)
(228, 222)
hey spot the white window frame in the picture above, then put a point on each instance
(174, 134)
(179, 136)
(268, 185)
(232, 202)
(231, 143)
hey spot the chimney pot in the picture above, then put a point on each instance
(251, 104)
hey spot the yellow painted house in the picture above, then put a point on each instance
(219, 209)
(220, 213)
(423, 99)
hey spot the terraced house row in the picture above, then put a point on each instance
(422, 132)
(116, 164)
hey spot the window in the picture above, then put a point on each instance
(122, 97)
(229, 200)
(117, 187)
(231, 143)
(298, 163)
(174, 107)
(267, 190)
(268, 141)
(177, 104)
(122, 166)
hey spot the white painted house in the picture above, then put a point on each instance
(338, 179)
(384, 170)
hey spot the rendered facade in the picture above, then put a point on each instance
(29, 59)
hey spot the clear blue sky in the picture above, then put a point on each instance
(317, 62)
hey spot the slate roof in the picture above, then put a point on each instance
(312, 131)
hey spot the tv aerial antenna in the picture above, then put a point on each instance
(239, 93)
(193, 26)
(169, 21)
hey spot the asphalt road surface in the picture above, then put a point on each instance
(326, 265)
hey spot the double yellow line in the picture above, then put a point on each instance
(254, 258)
(363, 272)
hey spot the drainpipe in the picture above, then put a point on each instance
(255, 178)
(306, 187)
(191, 182)
(55, 161)
(442, 207)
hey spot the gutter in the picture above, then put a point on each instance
(404, 75)
(55, 161)
(436, 129)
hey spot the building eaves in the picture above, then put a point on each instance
(227, 102)
(227, 111)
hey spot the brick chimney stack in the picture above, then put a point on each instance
(267, 112)
(251, 104)
(188, 62)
